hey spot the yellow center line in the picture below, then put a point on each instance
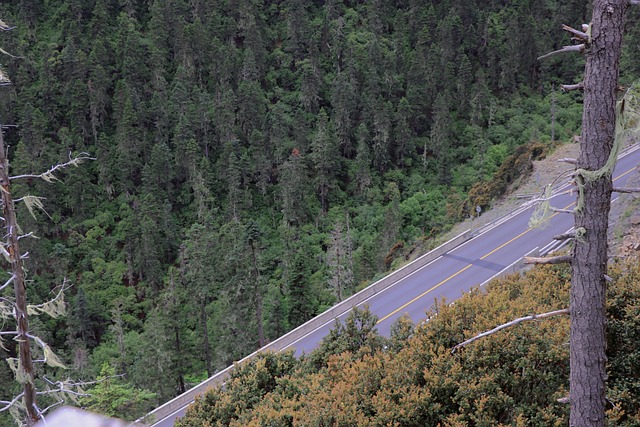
(452, 276)
(627, 172)
(483, 257)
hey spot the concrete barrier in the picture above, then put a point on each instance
(286, 340)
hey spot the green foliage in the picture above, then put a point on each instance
(113, 397)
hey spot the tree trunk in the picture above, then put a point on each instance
(205, 335)
(589, 263)
(257, 299)
(25, 368)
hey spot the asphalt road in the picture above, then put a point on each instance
(462, 268)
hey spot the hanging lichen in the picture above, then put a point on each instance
(627, 120)
(627, 117)
(543, 212)
(54, 308)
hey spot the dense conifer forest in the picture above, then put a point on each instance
(258, 161)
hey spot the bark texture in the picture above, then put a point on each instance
(25, 367)
(589, 263)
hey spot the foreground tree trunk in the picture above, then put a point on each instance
(25, 365)
(589, 263)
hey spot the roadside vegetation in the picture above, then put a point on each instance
(516, 377)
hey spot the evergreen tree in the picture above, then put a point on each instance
(324, 157)
(442, 139)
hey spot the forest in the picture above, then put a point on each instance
(258, 161)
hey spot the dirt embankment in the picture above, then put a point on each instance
(624, 231)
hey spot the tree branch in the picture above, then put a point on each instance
(579, 34)
(568, 211)
(625, 190)
(9, 403)
(565, 236)
(573, 48)
(547, 260)
(568, 160)
(509, 324)
(8, 282)
(45, 410)
(49, 175)
(577, 86)
(5, 27)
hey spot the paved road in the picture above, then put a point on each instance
(463, 268)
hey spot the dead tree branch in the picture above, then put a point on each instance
(573, 48)
(625, 190)
(509, 324)
(547, 260)
(8, 282)
(568, 160)
(577, 86)
(579, 34)
(9, 403)
(49, 175)
(558, 210)
(5, 27)
(565, 236)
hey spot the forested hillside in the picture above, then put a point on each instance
(258, 161)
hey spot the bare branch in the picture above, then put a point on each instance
(8, 54)
(579, 34)
(573, 48)
(625, 190)
(5, 27)
(547, 260)
(49, 175)
(568, 160)
(577, 86)
(568, 211)
(565, 236)
(509, 324)
(8, 282)
(49, 356)
(45, 410)
(69, 383)
(9, 403)
(28, 235)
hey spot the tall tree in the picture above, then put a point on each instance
(12, 247)
(324, 157)
(589, 259)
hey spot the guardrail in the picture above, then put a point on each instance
(286, 340)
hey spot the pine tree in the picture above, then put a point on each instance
(325, 159)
